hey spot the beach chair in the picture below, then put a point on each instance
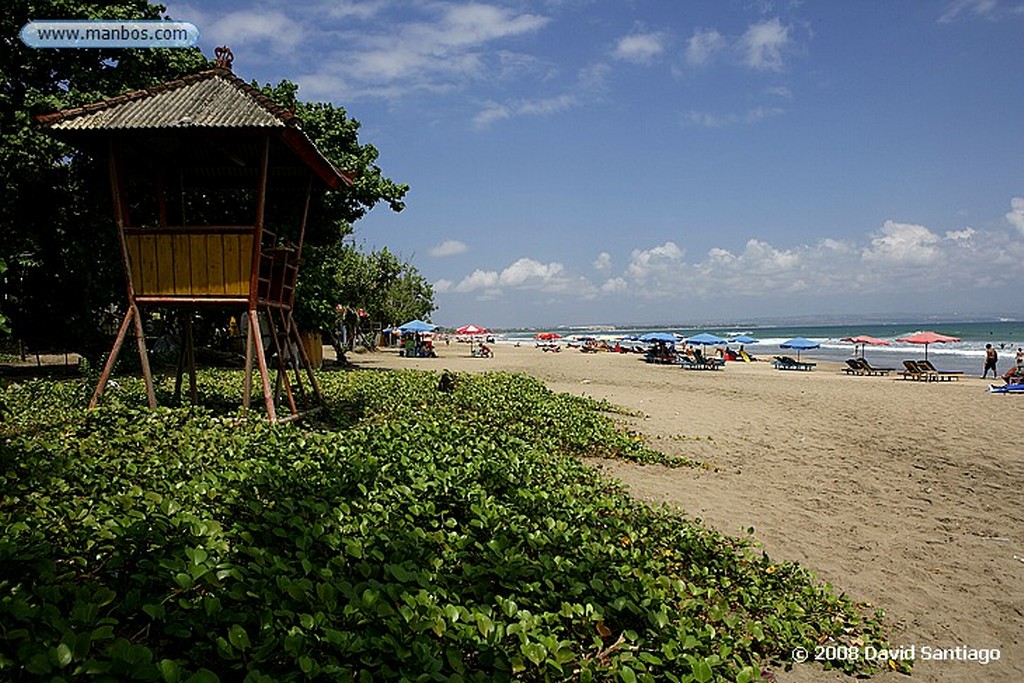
(872, 370)
(787, 363)
(854, 366)
(942, 375)
(913, 371)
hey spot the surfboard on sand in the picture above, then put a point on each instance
(746, 357)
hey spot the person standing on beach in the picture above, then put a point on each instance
(1020, 357)
(991, 356)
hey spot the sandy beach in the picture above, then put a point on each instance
(903, 494)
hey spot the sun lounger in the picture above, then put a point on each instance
(787, 363)
(701, 363)
(869, 369)
(916, 372)
(942, 375)
(854, 366)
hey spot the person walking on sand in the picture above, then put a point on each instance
(991, 357)
(1020, 357)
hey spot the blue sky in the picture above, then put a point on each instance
(594, 161)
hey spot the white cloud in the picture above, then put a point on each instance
(249, 31)
(645, 262)
(640, 48)
(478, 279)
(904, 243)
(763, 45)
(751, 116)
(448, 47)
(528, 272)
(703, 45)
(590, 84)
(615, 284)
(449, 248)
(1016, 215)
(898, 261)
(443, 286)
(984, 9)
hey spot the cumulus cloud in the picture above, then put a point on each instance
(645, 262)
(640, 48)
(478, 279)
(703, 45)
(896, 259)
(763, 45)
(904, 243)
(1016, 215)
(449, 248)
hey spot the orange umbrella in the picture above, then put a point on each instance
(928, 337)
(547, 336)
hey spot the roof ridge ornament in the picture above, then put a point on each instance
(224, 57)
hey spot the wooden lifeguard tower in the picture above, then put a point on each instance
(211, 184)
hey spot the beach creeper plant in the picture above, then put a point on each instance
(409, 534)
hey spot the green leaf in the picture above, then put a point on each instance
(170, 670)
(61, 655)
(238, 637)
(702, 671)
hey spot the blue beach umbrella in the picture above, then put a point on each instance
(706, 339)
(800, 344)
(659, 336)
(743, 339)
(417, 326)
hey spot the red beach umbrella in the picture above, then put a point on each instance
(862, 340)
(928, 337)
(547, 336)
(471, 329)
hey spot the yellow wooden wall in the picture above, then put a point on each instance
(190, 263)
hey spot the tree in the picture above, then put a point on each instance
(55, 222)
(388, 289)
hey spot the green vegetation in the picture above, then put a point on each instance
(411, 533)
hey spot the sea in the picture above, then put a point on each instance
(967, 355)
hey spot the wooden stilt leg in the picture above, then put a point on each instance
(179, 371)
(261, 360)
(140, 338)
(282, 367)
(190, 348)
(295, 356)
(115, 351)
(247, 383)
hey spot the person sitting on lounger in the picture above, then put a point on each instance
(1015, 375)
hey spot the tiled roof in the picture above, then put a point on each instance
(215, 98)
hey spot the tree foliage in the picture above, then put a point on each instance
(56, 233)
(388, 289)
(55, 221)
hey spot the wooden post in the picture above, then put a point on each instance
(121, 219)
(282, 365)
(261, 360)
(108, 367)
